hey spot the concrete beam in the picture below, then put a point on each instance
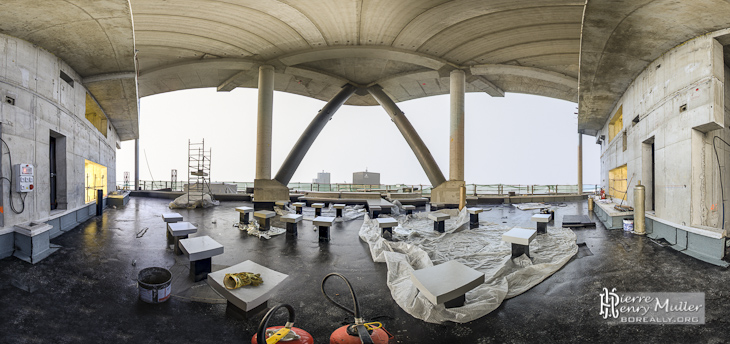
(435, 176)
(204, 64)
(108, 76)
(300, 149)
(385, 53)
(234, 81)
(526, 72)
(485, 85)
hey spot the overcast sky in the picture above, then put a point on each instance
(518, 139)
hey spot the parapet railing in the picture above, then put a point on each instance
(423, 190)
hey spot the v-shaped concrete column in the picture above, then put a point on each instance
(409, 133)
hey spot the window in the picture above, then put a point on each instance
(616, 124)
(95, 115)
(617, 182)
(624, 139)
(95, 179)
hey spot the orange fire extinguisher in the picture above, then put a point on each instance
(287, 333)
(360, 332)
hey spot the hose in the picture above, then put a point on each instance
(362, 330)
(261, 333)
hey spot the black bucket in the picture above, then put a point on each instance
(154, 284)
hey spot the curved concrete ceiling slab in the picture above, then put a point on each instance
(620, 41)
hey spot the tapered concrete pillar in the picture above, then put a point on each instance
(300, 149)
(580, 163)
(136, 164)
(263, 122)
(433, 172)
(456, 146)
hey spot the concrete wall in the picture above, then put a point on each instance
(46, 105)
(680, 102)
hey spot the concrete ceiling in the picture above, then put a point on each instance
(407, 46)
(95, 38)
(621, 38)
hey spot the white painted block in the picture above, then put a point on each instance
(541, 217)
(409, 207)
(339, 206)
(281, 203)
(438, 217)
(387, 222)
(521, 236)
(291, 218)
(447, 281)
(264, 214)
(474, 210)
(201, 247)
(248, 297)
(323, 221)
(181, 228)
(244, 210)
(299, 204)
(317, 205)
(172, 217)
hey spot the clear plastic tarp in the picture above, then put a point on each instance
(193, 200)
(416, 246)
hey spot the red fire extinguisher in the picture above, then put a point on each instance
(287, 333)
(603, 193)
(360, 332)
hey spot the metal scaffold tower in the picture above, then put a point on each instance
(198, 172)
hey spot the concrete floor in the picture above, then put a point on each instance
(87, 291)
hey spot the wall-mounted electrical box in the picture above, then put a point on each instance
(23, 177)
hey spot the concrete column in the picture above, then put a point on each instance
(263, 122)
(435, 176)
(300, 149)
(136, 164)
(580, 163)
(456, 145)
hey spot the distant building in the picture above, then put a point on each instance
(322, 178)
(366, 178)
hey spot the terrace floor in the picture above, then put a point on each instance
(87, 292)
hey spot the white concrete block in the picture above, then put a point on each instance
(387, 222)
(409, 207)
(264, 214)
(181, 228)
(201, 247)
(521, 236)
(291, 218)
(438, 217)
(317, 205)
(447, 281)
(474, 210)
(299, 204)
(244, 210)
(248, 297)
(339, 206)
(325, 221)
(541, 217)
(172, 217)
(281, 203)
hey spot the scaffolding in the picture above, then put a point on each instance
(173, 180)
(198, 172)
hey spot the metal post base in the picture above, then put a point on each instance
(243, 218)
(389, 230)
(170, 238)
(473, 221)
(324, 234)
(199, 269)
(317, 211)
(541, 227)
(457, 302)
(291, 229)
(177, 249)
(439, 226)
(264, 225)
(518, 250)
(339, 212)
(298, 210)
(409, 212)
(376, 213)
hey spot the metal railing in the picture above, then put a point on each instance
(423, 190)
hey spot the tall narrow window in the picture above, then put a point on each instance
(617, 182)
(616, 124)
(95, 179)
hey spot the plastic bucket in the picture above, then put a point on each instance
(629, 225)
(154, 284)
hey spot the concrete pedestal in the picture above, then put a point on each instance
(264, 218)
(439, 223)
(244, 216)
(200, 251)
(299, 206)
(33, 242)
(520, 239)
(474, 217)
(180, 230)
(409, 209)
(324, 223)
(317, 208)
(291, 221)
(248, 300)
(447, 283)
(338, 209)
(542, 221)
(387, 224)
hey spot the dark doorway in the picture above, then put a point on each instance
(52, 164)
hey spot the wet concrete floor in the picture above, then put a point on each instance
(87, 292)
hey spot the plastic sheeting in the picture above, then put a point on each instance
(253, 229)
(416, 246)
(193, 201)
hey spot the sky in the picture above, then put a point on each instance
(517, 139)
